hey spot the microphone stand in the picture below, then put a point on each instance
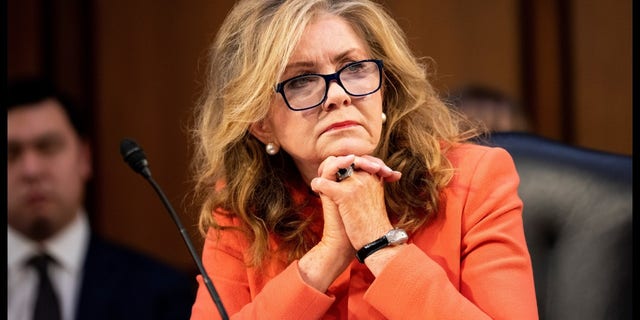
(134, 156)
(194, 254)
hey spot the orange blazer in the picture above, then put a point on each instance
(470, 262)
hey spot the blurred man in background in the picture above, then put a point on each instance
(491, 107)
(57, 267)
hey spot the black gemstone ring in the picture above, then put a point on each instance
(344, 173)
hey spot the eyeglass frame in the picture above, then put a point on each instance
(327, 79)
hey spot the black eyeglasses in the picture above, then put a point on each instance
(308, 91)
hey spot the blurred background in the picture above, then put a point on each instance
(138, 67)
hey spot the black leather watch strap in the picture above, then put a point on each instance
(372, 247)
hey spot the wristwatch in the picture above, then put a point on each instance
(391, 238)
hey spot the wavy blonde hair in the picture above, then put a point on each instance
(246, 60)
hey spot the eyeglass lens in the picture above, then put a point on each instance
(357, 79)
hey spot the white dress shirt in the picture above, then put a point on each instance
(68, 248)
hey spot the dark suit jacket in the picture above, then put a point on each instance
(119, 283)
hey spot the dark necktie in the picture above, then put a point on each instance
(47, 306)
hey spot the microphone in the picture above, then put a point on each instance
(135, 157)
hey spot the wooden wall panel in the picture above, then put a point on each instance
(542, 65)
(602, 47)
(24, 33)
(469, 41)
(148, 72)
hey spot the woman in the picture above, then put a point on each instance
(308, 106)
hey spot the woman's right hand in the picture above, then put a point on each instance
(331, 256)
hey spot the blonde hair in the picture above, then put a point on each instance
(246, 60)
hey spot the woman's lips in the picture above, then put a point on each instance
(340, 125)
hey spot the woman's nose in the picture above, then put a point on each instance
(336, 96)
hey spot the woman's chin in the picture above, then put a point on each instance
(350, 146)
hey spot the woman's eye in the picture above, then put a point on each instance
(302, 82)
(355, 67)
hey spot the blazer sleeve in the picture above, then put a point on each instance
(285, 296)
(496, 277)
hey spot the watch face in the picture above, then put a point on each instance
(397, 236)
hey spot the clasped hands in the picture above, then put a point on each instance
(353, 209)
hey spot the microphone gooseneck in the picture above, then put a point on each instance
(135, 157)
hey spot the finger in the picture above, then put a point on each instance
(376, 166)
(332, 164)
(329, 187)
(318, 184)
(324, 163)
(391, 176)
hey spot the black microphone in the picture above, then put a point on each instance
(135, 157)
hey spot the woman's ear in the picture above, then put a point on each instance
(262, 131)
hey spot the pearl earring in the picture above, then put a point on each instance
(272, 148)
(384, 117)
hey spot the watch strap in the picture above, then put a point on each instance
(371, 247)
